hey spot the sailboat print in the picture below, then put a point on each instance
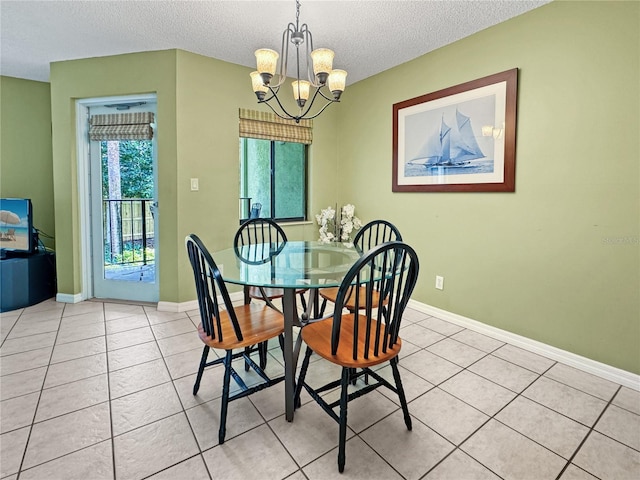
(449, 146)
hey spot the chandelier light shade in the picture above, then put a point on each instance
(319, 70)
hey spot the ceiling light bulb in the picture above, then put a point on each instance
(337, 82)
(258, 86)
(322, 63)
(266, 61)
(301, 91)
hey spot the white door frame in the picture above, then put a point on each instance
(84, 184)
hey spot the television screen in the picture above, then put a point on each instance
(16, 225)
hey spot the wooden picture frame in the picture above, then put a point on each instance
(459, 139)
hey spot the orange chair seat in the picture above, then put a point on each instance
(258, 323)
(318, 336)
(331, 294)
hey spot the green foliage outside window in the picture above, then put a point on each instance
(136, 169)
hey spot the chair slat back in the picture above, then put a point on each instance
(210, 287)
(390, 269)
(374, 233)
(259, 230)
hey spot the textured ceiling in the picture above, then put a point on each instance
(368, 36)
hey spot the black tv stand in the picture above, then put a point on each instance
(26, 279)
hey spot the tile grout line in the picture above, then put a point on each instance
(184, 410)
(493, 417)
(519, 393)
(490, 417)
(35, 412)
(589, 432)
(106, 354)
(11, 329)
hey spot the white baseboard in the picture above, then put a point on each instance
(192, 304)
(177, 307)
(602, 370)
(69, 297)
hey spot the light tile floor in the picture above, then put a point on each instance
(101, 390)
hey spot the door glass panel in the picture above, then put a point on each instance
(127, 201)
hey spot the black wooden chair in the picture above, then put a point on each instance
(227, 327)
(257, 231)
(372, 234)
(263, 230)
(368, 335)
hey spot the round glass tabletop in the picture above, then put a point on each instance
(291, 264)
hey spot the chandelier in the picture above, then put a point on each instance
(320, 74)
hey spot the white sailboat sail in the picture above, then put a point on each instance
(450, 146)
(465, 145)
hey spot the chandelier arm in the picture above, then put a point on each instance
(310, 105)
(288, 115)
(303, 115)
(309, 40)
(327, 98)
(284, 55)
(265, 100)
(298, 63)
(314, 116)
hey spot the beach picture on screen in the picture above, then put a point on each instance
(15, 224)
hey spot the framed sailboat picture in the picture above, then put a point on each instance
(459, 139)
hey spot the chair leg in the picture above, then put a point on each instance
(303, 373)
(343, 418)
(403, 400)
(303, 301)
(324, 305)
(247, 301)
(225, 396)
(262, 352)
(203, 362)
(247, 298)
(247, 352)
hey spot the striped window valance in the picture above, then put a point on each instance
(268, 126)
(121, 126)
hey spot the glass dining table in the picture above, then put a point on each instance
(291, 266)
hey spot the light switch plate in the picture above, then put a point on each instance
(194, 185)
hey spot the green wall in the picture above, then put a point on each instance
(558, 260)
(198, 102)
(153, 72)
(25, 149)
(209, 94)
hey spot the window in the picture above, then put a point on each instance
(274, 174)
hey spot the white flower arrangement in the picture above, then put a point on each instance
(332, 230)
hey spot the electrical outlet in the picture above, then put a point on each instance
(439, 282)
(194, 185)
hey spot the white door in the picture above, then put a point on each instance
(124, 214)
